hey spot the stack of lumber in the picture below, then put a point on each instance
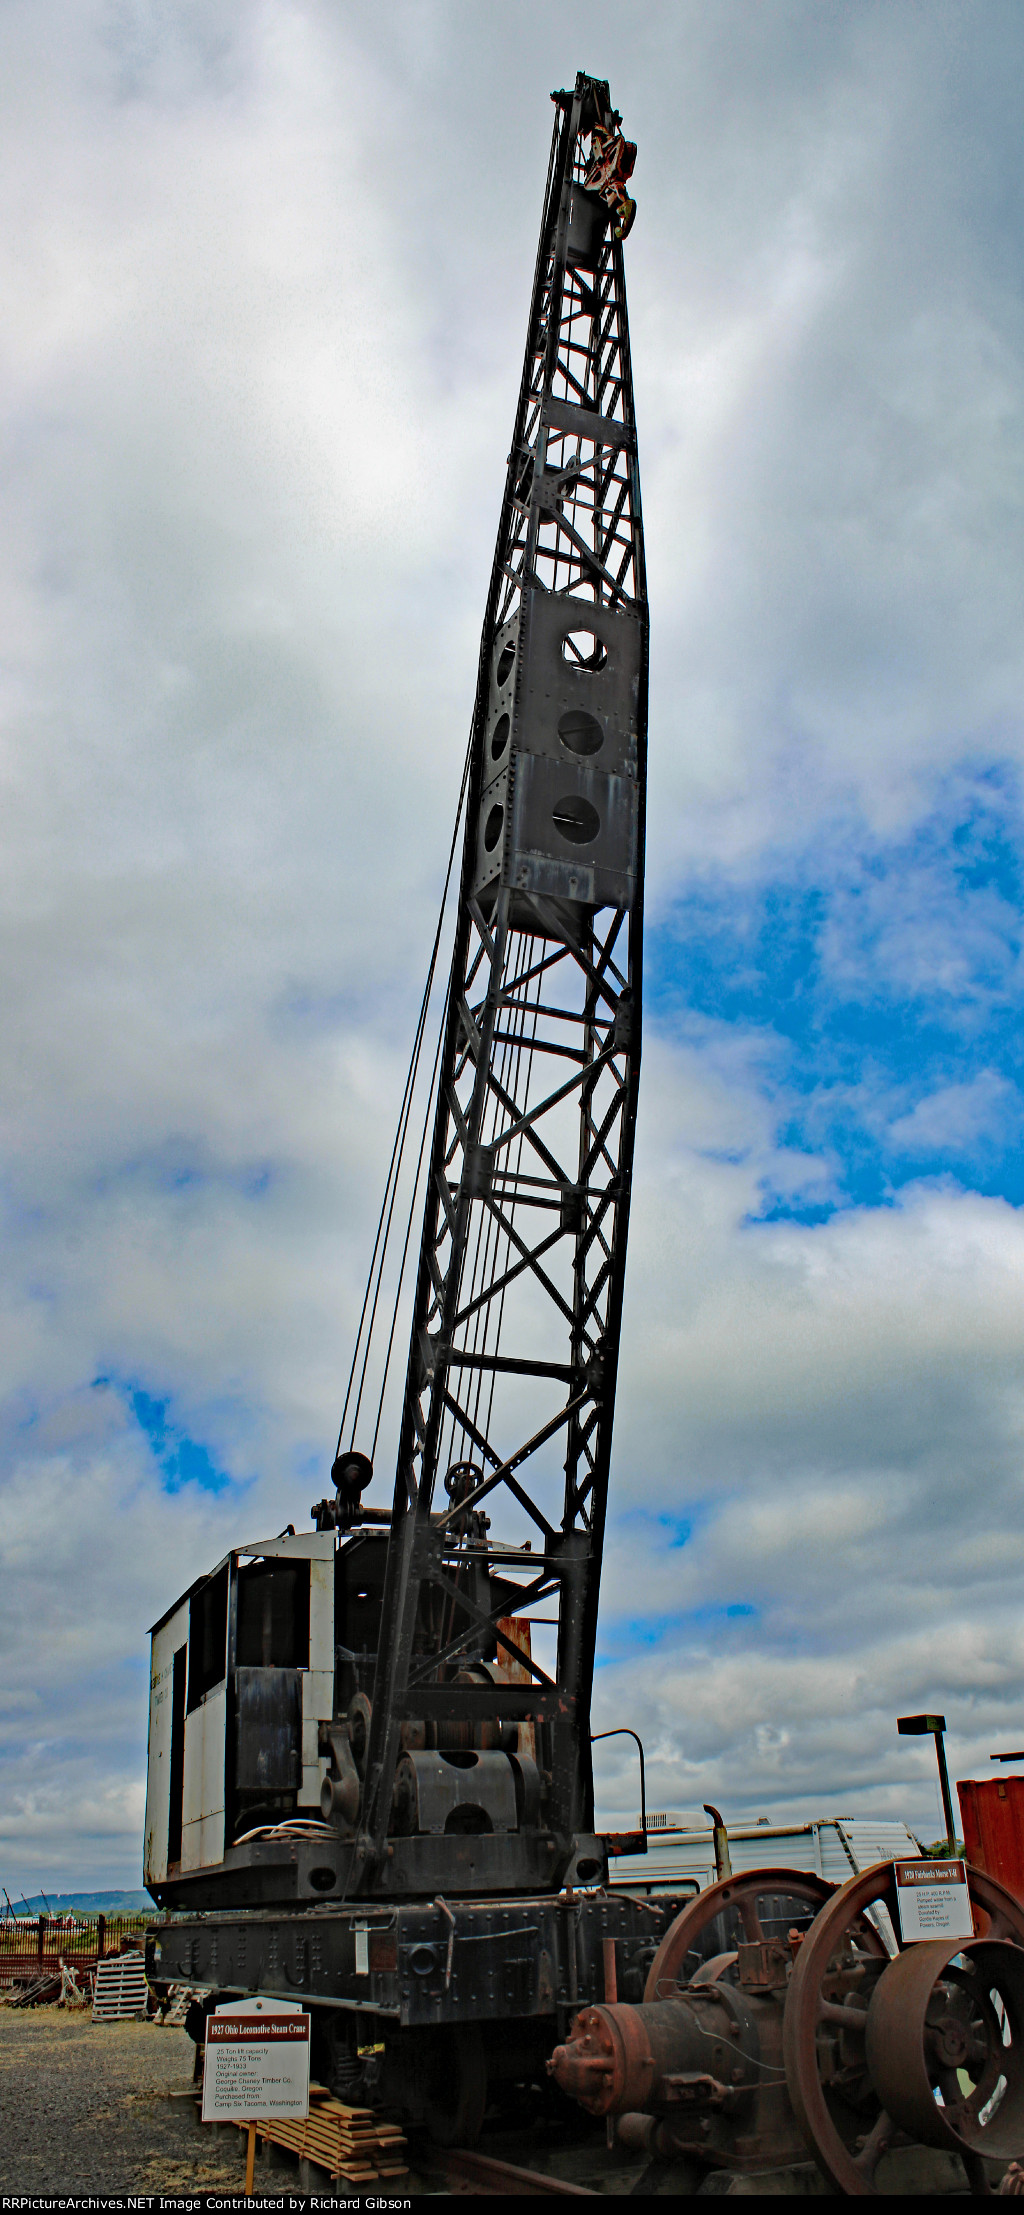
(353, 2143)
(38, 1993)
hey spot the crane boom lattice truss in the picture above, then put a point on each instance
(511, 1379)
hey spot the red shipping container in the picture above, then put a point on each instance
(992, 1813)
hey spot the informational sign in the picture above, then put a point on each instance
(257, 2062)
(933, 1900)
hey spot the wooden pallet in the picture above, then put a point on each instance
(120, 1990)
(176, 2006)
(352, 2143)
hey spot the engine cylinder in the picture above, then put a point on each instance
(701, 2049)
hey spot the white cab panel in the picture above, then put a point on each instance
(166, 1640)
(203, 1802)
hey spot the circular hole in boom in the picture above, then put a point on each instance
(323, 1880)
(492, 829)
(499, 737)
(576, 820)
(584, 650)
(505, 661)
(581, 732)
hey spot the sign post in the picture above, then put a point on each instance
(934, 1726)
(257, 2064)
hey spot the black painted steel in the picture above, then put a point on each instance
(511, 1379)
(422, 1961)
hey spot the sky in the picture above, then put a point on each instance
(266, 272)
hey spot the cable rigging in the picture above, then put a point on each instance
(378, 1257)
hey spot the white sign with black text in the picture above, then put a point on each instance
(933, 1900)
(257, 2062)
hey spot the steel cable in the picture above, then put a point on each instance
(387, 1208)
(409, 1223)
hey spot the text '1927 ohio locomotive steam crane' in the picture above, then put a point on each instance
(362, 1777)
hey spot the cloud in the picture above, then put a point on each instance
(958, 1117)
(830, 1419)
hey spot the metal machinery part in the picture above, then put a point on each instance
(515, 1334)
(695, 2073)
(381, 1799)
(424, 2006)
(861, 2041)
(817, 2039)
(745, 1910)
(966, 2005)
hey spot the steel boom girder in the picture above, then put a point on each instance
(510, 1388)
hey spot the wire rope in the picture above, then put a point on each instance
(387, 1208)
(409, 1223)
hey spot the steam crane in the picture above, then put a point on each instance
(370, 1775)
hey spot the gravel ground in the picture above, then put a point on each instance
(90, 2108)
(86, 2107)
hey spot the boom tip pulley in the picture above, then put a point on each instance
(612, 157)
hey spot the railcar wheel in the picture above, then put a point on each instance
(456, 2085)
(869, 2041)
(740, 1900)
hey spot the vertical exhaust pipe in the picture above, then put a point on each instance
(723, 1862)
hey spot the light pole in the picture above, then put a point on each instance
(918, 1726)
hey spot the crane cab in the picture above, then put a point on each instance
(261, 1689)
(242, 1678)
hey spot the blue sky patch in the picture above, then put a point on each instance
(188, 1165)
(623, 1639)
(661, 1528)
(876, 989)
(181, 1460)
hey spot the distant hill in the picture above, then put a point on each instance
(88, 1903)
